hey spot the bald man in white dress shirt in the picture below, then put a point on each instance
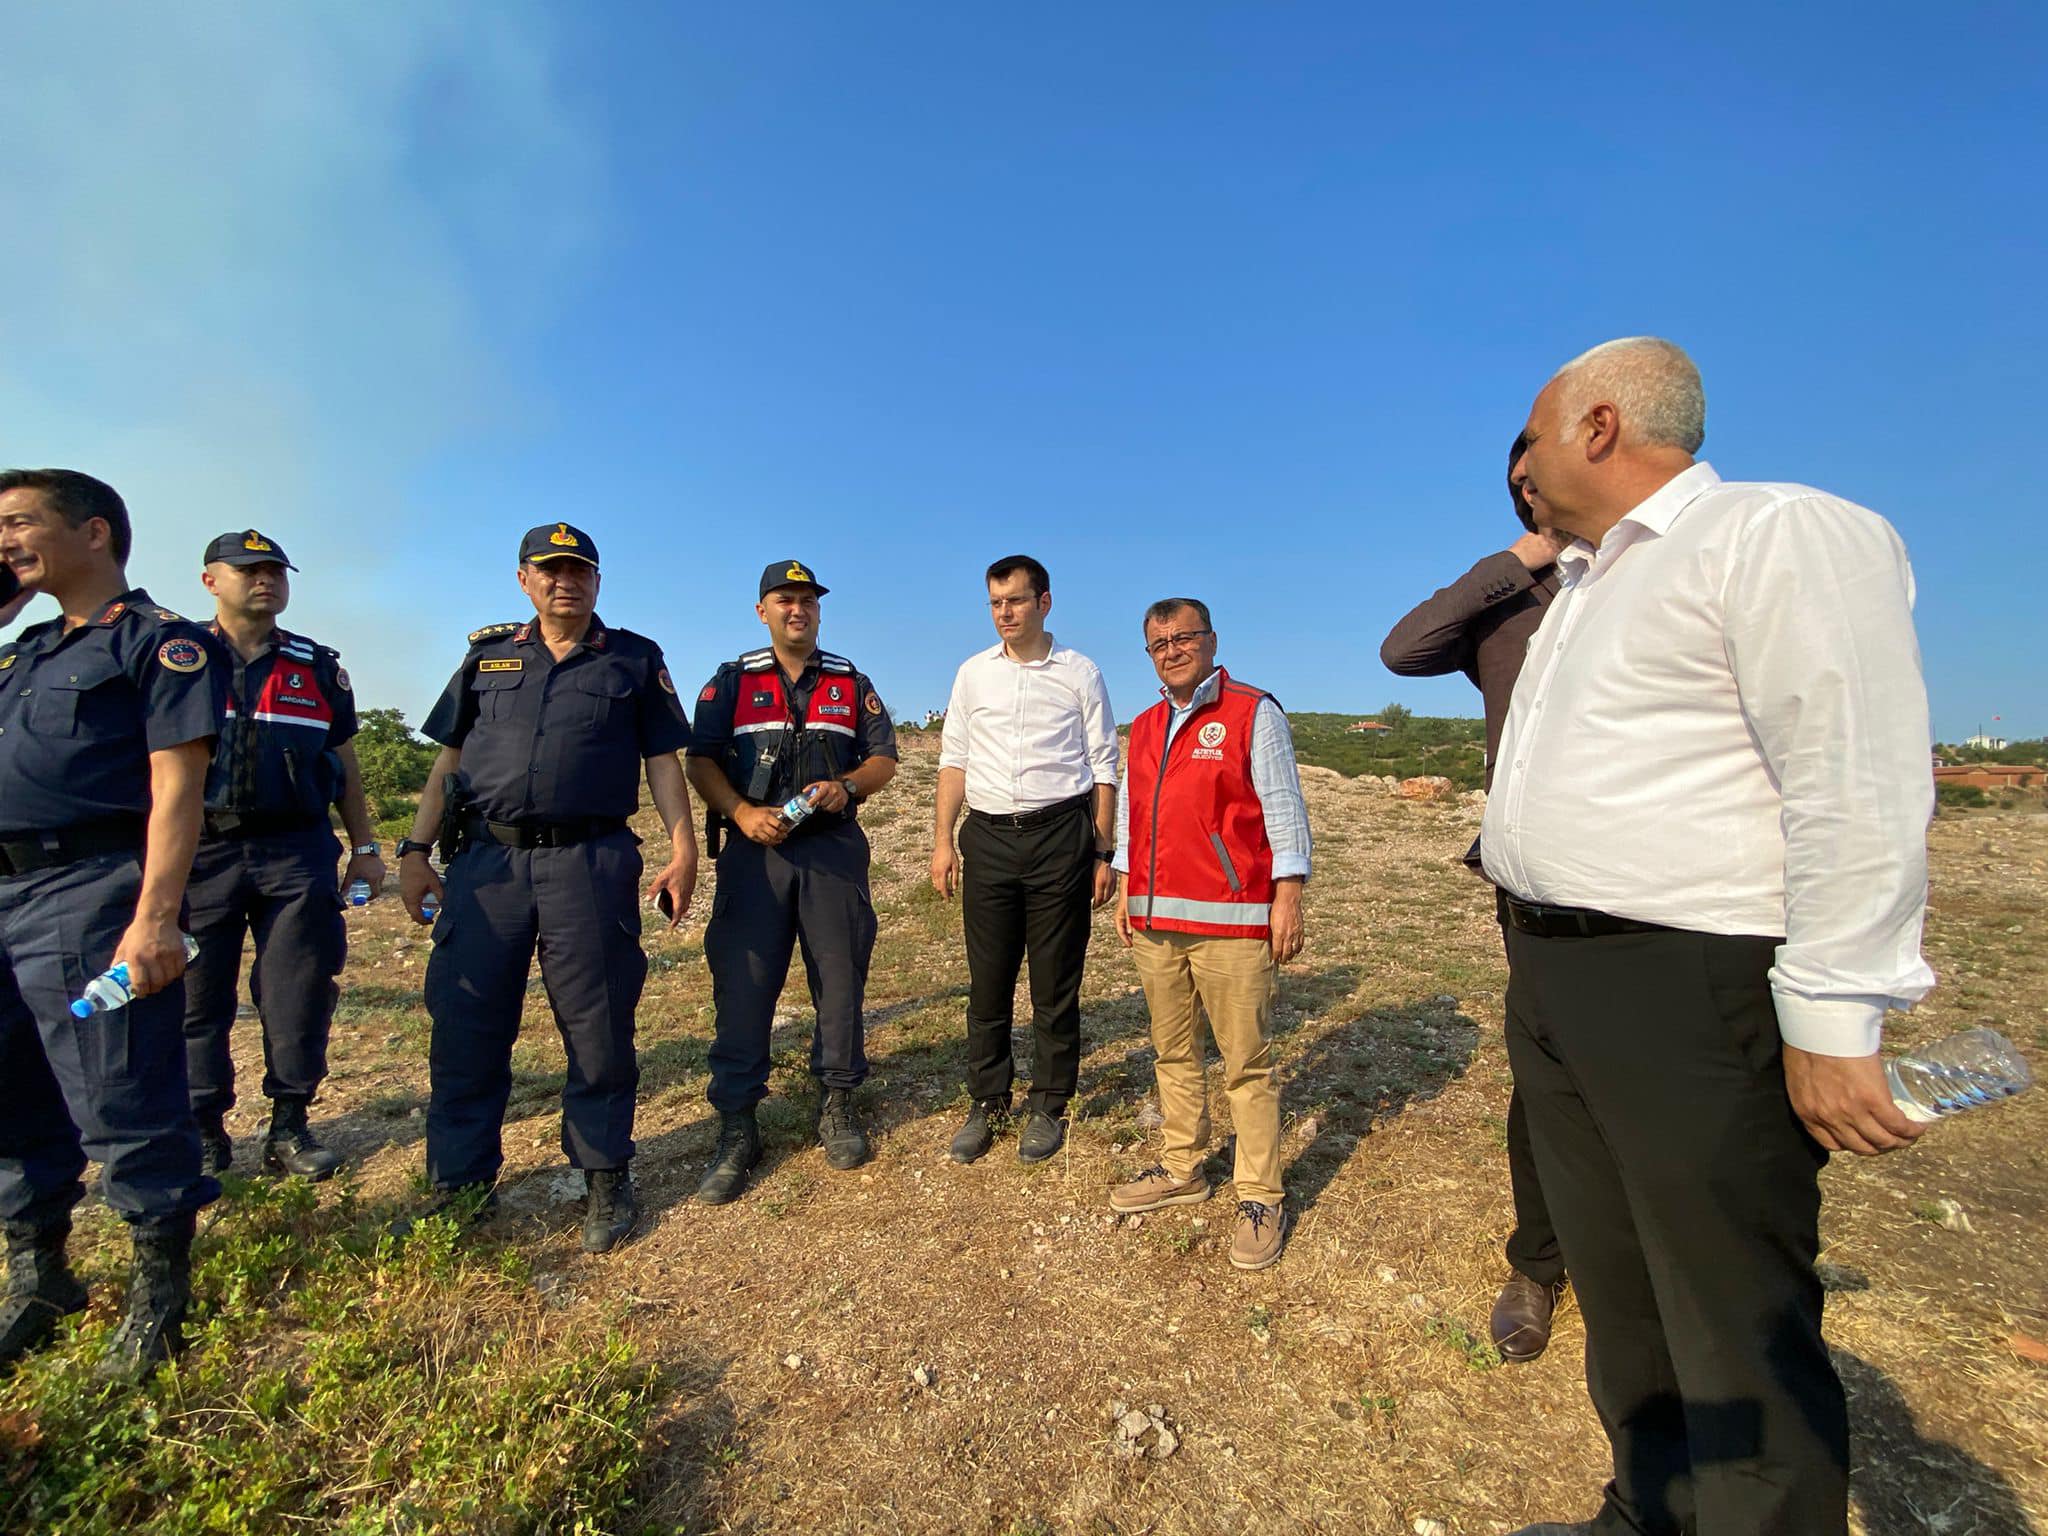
(1710, 821)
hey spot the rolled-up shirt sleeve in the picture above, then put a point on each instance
(1819, 625)
(1122, 862)
(953, 730)
(1098, 724)
(1277, 780)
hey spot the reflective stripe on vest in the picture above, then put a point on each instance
(1222, 914)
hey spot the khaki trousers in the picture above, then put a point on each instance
(1231, 980)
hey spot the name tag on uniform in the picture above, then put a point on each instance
(502, 664)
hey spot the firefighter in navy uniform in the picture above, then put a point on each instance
(266, 862)
(785, 720)
(544, 729)
(107, 720)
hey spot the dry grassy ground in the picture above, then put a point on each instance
(923, 1347)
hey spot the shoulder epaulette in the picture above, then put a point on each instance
(757, 661)
(831, 663)
(492, 632)
(298, 647)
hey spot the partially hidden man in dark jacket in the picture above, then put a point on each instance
(1480, 625)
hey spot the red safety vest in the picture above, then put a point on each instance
(1199, 859)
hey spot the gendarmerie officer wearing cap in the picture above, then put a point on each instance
(544, 729)
(265, 864)
(107, 720)
(788, 720)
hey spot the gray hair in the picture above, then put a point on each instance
(1650, 381)
(1163, 611)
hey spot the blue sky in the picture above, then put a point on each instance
(1238, 301)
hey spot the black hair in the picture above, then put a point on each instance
(1167, 607)
(78, 499)
(1520, 447)
(1010, 565)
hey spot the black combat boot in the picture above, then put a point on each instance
(609, 1210)
(159, 1291)
(839, 1132)
(216, 1146)
(987, 1120)
(291, 1146)
(739, 1148)
(40, 1287)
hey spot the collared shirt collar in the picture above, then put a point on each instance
(1654, 514)
(593, 637)
(997, 652)
(1205, 690)
(109, 611)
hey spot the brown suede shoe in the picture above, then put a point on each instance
(1261, 1235)
(1155, 1187)
(1521, 1317)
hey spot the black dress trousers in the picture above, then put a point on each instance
(1027, 888)
(1686, 1196)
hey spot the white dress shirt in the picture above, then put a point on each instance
(1276, 780)
(1028, 733)
(1721, 726)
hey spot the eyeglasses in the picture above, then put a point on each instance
(1012, 604)
(1176, 642)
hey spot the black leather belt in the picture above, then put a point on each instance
(23, 853)
(1035, 818)
(1570, 922)
(259, 823)
(546, 834)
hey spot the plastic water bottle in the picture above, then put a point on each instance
(797, 807)
(1978, 1066)
(359, 893)
(430, 904)
(110, 990)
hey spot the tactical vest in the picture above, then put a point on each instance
(773, 754)
(1200, 862)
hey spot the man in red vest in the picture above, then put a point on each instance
(1213, 843)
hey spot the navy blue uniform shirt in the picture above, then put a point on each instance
(80, 712)
(547, 740)
(810, 743)
(287, 710)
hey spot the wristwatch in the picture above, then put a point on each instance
(1106, 855)
(408, 845)
(852, 793)
(361, 849)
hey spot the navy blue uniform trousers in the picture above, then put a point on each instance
(811, 891)
(580, 906)
(282, 890)
(1687, 1198)
(110, 1087)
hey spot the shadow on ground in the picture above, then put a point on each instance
(1905, 1484)
(1364, 1072)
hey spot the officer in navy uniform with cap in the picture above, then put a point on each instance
(788, 720)
(107, 720)
(266, 862)
(544, 729)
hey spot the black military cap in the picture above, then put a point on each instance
(246, 548)
(557, 541)
(790, 573)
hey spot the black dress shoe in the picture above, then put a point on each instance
(1042, 1137)
(987, 1120)
(609, 1210)
(1522, 1316)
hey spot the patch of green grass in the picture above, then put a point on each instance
(1926, 1210)
(1479, 1353)
(338, 1379)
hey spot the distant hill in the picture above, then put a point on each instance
(1416, 744)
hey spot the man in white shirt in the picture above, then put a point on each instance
(1709, 819)
(1029, 748)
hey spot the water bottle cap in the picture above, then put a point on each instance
(80, 1008)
